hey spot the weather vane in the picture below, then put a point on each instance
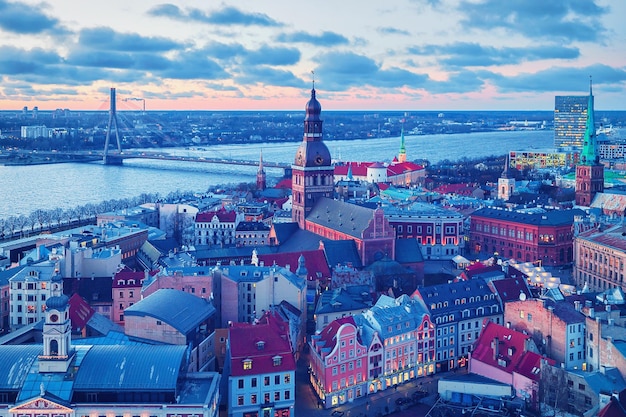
(313, 77)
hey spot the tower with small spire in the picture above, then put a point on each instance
(312, 172)
(402, 153)
(261, 183)
(589, 171)
(506, 182)
(57, 331)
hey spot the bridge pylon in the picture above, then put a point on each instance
(112, 159)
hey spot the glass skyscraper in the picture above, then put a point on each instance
(570, 117)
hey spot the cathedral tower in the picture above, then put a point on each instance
(312, 171)
(589, 172)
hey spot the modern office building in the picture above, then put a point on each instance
(570, 116)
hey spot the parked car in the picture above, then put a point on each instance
(337, 413)
(419, 395)
(402, 401)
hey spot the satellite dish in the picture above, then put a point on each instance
(522, 296)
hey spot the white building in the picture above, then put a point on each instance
(28, 291)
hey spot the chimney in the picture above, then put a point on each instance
(495, 345)
(588, 303)
(592, 312)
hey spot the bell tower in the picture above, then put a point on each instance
(589, 172)
(312, 172)
(57, 331)
(506, 183)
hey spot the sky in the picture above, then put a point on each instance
(265, 54)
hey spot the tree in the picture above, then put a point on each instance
(553, 389)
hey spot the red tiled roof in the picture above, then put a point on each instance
(284, 183)
(244, 344)
(359, 169)
(616, 406)
(314, 261)
(509, 289)
(80, 311)
(402, 167)
(224, 216)
(511, 350)
(127, 274)
(328, 336)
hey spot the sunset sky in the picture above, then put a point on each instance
(259, 55)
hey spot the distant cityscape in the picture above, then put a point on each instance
(361, 288)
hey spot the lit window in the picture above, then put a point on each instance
(247, 364)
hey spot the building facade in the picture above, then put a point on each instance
(600, 258)
(570, 114)
(29, 289)
(556, 327)
(458, 311)
(439, 231)
(261, 370)
(217, 228)
(545, 236)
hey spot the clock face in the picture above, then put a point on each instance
(319, 160)
(299, 157)
(54, 318)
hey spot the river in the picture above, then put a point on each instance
(27, 188)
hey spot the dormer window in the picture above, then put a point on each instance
(277, 360)
(260, 345)
(247, 364)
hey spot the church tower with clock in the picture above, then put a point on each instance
(57, 328)
(312, 171)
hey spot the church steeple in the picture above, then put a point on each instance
(589, 172)
(589, 153)
(402, 153)
(261, 183)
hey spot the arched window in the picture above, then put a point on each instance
(54, 347)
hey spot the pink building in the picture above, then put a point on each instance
(338, 361)
(126, 291)
(510, 357)
(196, 280)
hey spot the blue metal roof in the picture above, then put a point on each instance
(123, 367)
(15, 364)
(183, 311)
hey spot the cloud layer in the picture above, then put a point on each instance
(413, 54)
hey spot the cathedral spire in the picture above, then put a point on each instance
(402, 153)
(589, 152)
(261, 182)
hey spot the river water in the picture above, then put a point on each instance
(27, 188)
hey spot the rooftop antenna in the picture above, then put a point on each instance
(313, 78)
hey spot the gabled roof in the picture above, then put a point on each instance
(509, 289)
(341, 252)
(408, 251)
(616, 406)
(315, 261)
(284, 231)
(327, 338)
(260, 343)
(345, 218)
(179, 309)
(224, 216)
(510, 354)
(338, 300)
(359, 169)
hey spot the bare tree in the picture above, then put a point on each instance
(553, 389)
(57, 215)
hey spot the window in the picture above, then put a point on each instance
(266, 381)
(276, 395)
(287, 378)
(276, 379)
(253, 382)
(240, 383)
(266, 397)
(247, 364)
(253, 399)
(240, 400)
(287, 395)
